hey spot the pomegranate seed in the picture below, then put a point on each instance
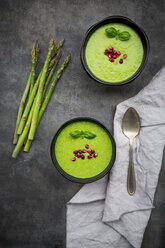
(111, 60)
(125, 56)
(84, 151)
(90, 156)
(89, 151)
(115, 52)
(106, 51)
(121, 61)
(82, 157)
(80, 151)
(109, 55)
(75, 152)
(92, 151)
(114, 56)
(86, 146)
(73, 159)
(111, 48)
(78, 155)
(95, 155)
(119, 53)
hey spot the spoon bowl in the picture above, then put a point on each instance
(131, 123)
(131, 128)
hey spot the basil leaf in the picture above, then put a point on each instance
(118, 31)
(111, 32)
(124, 36)
(89, 135)
(76, 134)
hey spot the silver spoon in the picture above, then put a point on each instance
(131, 128)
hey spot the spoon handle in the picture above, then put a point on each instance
(131, 181)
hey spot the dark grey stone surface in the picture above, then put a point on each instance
(32, 193)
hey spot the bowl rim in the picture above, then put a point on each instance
(145, 56)
(70, 177)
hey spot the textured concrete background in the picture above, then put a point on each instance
(32, 193)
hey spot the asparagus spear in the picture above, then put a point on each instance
(50, 74)
(23, 99)
(48, 96)
(30, 101)
(40, 91)
(35, 53)
(28, 142)
(27, 145)
(59, 45)
(28, 106)
(55, 53)
(51, 65)
(23, 136)
(56, 59)
(52, 86)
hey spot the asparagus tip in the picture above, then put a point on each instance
(62, 41)
(66, 61)
(68, 58)
(51, 41)
(58, 53)
(60, 44)
(33, 50)
(55, 60)
(37, 47)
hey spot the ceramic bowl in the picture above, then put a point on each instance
(128, 22)
(70, 177)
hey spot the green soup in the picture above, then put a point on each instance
(100, 65)
(66, 144)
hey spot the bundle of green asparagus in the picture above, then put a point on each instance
(36, 95)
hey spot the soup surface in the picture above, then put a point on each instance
(66, 145)
(99, 64)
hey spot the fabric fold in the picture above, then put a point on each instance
(91, 192)
(103, 214)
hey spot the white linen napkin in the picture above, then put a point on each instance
(102, 214)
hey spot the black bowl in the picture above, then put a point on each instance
(128, 22)
(75, 179)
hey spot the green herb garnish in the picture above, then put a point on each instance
(114, 33)
(76, 134)
(124, 36)
(83, 134)
(111, 32)
(89, 135)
